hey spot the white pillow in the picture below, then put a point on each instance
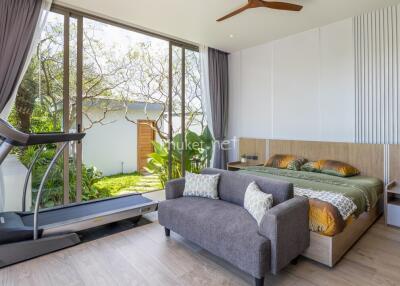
(205, 186)
(256, 202)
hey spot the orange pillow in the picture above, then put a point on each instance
(280, 161)
(337, 168)
(331, 167)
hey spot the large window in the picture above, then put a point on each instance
(132, 93)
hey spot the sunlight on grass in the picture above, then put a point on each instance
(128, 183)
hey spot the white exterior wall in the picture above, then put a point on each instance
(14, 173)
(109, 146)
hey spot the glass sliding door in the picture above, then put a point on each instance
(191, 140)
(177, 126)
(124, 100)
(198, 138)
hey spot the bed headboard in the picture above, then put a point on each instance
(368, 158)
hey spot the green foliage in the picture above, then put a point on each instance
(116, 183)
(197, 151)
(53, 194)
(158, 163)
(133, 182)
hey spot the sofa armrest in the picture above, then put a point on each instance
(174, 189)
(286, 226)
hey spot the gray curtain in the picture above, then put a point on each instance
(18, 19)
(219, 98)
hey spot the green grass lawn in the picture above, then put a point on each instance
(128, 183)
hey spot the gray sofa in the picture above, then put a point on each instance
(224, 228)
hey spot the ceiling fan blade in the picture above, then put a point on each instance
(240, 10)
(282, 6)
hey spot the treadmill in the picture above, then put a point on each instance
(25, 235)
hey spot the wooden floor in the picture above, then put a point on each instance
(144, 256)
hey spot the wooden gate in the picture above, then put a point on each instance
(145, 136)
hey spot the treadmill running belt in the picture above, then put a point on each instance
(86, 209)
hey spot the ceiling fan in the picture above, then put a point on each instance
(265, 4)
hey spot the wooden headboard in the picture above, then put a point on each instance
(394, 159)
(368, 158)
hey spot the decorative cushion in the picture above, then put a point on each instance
(311, 167)
(205, 186)
(256, 202)
(331, 167)
(337, 168)
(296, 164)
(280, 161)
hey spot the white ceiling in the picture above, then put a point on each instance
(194, 20)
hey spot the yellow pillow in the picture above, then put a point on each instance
(337, 168)
(331, 167)
(311, 167)
(280, 161)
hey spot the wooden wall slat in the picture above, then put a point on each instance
(394, 162)
(252, 147)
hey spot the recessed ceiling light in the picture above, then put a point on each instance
(231, 36)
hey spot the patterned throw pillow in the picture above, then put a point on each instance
(205, 186)
(296, 164)
(337, 168)
(331, 167)
(280, 161)
(311, 167)
(256, 202)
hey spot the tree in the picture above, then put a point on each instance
(111, 81)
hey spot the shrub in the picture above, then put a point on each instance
(198, 152)
(53, 193)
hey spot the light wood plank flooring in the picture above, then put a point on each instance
(144, 256)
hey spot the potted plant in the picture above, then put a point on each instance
(243, 159)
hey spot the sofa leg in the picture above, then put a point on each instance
(167, 231)
(259, 281)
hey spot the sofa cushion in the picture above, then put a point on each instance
(256, 202)
(198, 185)
(224, 229)
(232, 186)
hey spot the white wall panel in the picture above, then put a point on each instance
(295, 87)
(256, 95)
(337, 82)
(300, 87)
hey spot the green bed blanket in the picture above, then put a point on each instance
(363, 191)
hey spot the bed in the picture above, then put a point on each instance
(341, 209)
(334, 201)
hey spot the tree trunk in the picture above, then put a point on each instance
(24, 104)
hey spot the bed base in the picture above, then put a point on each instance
(329, 250)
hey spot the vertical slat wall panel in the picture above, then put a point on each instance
(376, 47)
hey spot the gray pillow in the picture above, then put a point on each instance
(256, 202)
(205, 186)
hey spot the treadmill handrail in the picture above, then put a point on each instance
(40, 191)
(17, 138)
(28, 175)
(9, 133)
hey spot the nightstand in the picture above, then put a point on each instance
(236, 166)
(392, 203)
